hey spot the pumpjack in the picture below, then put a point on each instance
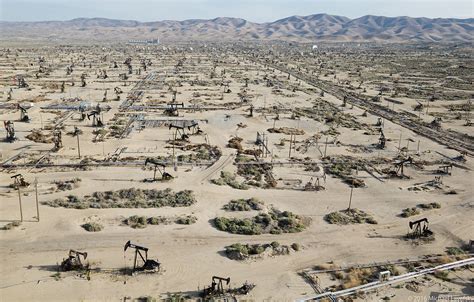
(128, 63)
(148, 264)
(436, 123)
(10, 131)
(19, 181)
(21, 81)
(445, 169)
(382, 140)
(314, 185)
(262, 142)
(181, 129)
(83, 80)
(379, 122)
(399, 168)
(23, 114)
(96, 120)
(82, 112)
(57, 140)
(420, 228)
(172, 109)
(160, 167)
(74, 262)
(216, 288)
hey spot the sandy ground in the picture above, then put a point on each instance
(192, 254)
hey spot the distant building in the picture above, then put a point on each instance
(144, 42)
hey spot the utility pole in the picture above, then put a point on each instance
(175, 166)
(76, 132)
(291, 141)
(37, 203)
(78, 147)
(19, 200)
(266, 148)
(350, 198)
(326, 146)
(400, 141)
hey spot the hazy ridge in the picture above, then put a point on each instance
(319, 27)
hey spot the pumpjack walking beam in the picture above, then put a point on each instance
(23, 114)
(74, 261)
(164, 175)
(420, 228)
(141, 251)
(219, 286)
(216, 288)
(10, 131)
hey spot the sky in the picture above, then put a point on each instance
(252, 10)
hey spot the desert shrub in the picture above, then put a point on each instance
(409, 212)
(443, 275)
(429, 206)
(65, 185)
(11, 225)
(127, 198)
(256, 249)
(92, 227)
(356, 277)
(275, 222)
(454, 251)
(186, 220)
(275, 244)
(337, 218)
(238, 247)
(140, 222)
(146, 299)
(352, 216)
(157, 220)
(136, 222)
(227, 178)
(391, 268)
(239, 251)
(244, 205)
(295, 246)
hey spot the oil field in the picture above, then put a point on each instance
(236, 171)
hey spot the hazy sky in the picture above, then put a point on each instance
(253, 10)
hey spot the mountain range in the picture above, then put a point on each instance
(312, 28)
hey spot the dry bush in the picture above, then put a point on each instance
(92, 227)
(244, 205)
(352, 216)
(127, 198)
(274, 222)
(11, 225)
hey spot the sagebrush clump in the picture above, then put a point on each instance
(92, 227)
(140, 222)
(273, 222)
(11, 225)
(244, 205)
(127, 198)
(239, 251)
(352, 216)
(227, 178)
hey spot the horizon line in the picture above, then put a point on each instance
(226, 17)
